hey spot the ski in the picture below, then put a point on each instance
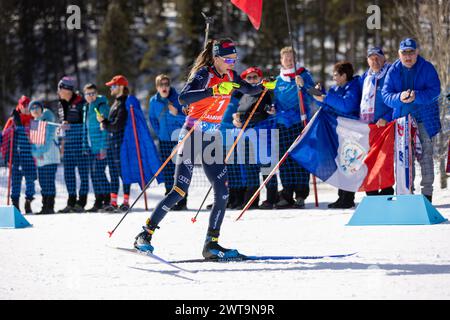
(263, 258)
(153, 256)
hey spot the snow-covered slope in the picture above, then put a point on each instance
(69, 256)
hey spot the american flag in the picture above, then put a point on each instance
(37, 132)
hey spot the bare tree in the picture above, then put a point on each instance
(429, 22)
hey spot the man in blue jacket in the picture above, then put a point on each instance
(166, 118)
(373, 109)
(412, 86)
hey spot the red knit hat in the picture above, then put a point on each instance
(251, 70)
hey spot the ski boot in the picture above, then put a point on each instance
(213, 251)
(143, 240)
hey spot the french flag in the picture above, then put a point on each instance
(346, 153)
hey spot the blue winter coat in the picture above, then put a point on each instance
(97, 137)
(286, 100)
(344, 100)
(161, 120)
(382, 111)
(48, 153)
(128, 154)
(227, 126)
(427, 87)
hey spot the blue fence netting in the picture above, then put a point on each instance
(60, 161)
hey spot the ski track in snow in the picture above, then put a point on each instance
(67, 256)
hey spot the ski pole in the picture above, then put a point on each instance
(300, 95)
(194, 219)
(174, 152)
(274, 170)
(305, 123)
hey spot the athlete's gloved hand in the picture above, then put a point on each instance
(269, 85)
(224, 88)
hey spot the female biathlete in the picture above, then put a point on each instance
(207, 92)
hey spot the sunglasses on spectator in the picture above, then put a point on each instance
(408, 52)
(228, 60)
(34, 108)
(114, 87)
(90, 94)
(164, 84)
(252, 78)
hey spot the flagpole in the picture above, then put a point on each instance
(11, 145)
(138, 150)
(410, 155)
(300, 95)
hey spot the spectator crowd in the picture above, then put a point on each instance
(85, 134)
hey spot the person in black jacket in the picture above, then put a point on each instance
(115, 126)
(262, 119)
(76, 149)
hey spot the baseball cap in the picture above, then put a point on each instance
(408, 44)
(375, 50)
(251, 70)
(118, 80)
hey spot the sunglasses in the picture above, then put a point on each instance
(90, 94)
(252, 78)
(408, 52)
(114, 87)
(228, 60)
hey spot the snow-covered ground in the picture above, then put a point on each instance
(69, 256)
